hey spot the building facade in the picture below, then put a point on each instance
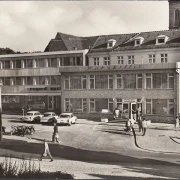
(129, 72)
(32, 80)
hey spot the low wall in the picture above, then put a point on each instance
(153, 118)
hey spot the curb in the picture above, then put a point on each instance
(149, 150)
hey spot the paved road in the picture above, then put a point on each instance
(98, 143)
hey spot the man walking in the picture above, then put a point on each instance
(144, 126)
(55, 137)
(46, 152)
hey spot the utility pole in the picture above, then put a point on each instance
(0, 113)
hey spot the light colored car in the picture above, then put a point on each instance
(32, 116)
(36, 105)
(67, 118)
(48, 117)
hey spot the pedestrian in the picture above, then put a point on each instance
(55, 137)
(177, 123)
(116, 113)
(46, 152)
(128, 126)
(144, 126)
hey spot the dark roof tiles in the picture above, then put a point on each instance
(66, 42)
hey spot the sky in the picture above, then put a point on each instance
(28, 26)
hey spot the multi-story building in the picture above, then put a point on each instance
(128, 71)
(32, 80)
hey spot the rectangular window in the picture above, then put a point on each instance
(110, 81)
(139, 81)
(110, 105)
(130, 59)
(148, 106)
(67, 82)
(159, 106)
(40, 63)
(101, 81)
(92, 105)
(66, 61)
(159, 80)
(6, 99)
(129, 81)
(76, 105)
(16, 64)
(119, 105)
(120, 60)
(29, 80)
(84, 105)
(42, 80)
(6, 81)
(161, 40)
(67, 105)
(119, 81)
(106, 61)
(96, 61)
(164, 58)
(171, 106)
(53, 62)
(171, 80)
(152, 58)
(55, 80)
(83, 79)
(96, 105)
(92, 81)
(75, 82)
(17, 81)
(6, 64)
(28, 63)
(62, 61)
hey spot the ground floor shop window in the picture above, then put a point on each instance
(96, 105)
(160, 106)
(75, 105)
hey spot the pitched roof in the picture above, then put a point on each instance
(69, 42)
(66, 42)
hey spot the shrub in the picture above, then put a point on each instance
(27, 169)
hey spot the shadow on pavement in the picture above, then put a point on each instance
(18, 147)
(126, 177)
(17, 121)
(122, 132)
(160, 171)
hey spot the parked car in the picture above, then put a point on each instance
(48, 117)
(32, 116)
(66, 118)
(36, 105)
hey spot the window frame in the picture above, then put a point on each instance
(120, 59)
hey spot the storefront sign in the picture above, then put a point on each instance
(44, 89)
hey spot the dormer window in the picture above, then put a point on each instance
(111, 43)
(162, 39)
(138, 41)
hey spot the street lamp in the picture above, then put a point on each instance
(0, 112)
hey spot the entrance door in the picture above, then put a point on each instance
(133, 111)
(125, 110)
(50, 102)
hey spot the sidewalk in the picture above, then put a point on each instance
(159, 137)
